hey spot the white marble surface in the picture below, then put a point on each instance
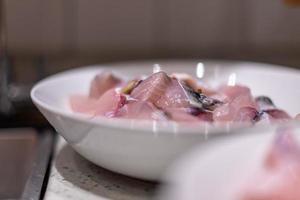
(73, 177)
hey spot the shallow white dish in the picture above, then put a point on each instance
(146, 149)
(218, 169)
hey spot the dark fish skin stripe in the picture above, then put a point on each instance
(204, 102)
(264, 100)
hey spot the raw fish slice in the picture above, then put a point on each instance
(297, 117)
(279, 179)
(202, 101)
(219, 96)
(273, 115)
(278, 114)
(108, 104)
(178, 95)
(269, 112)
(83, 104)
(103, 82)
(165, 92)
(240, 106)
(193, 111)
(174, 96)
(127, 89)
(152, 88)
(187, 80)
(239, 96)
(207, 90)
(141, 110)
(232, 92)
(228, 112)
(200, 114)
(181, 115)
(246, 114)
(193, 83)
(205, 116)
(224, 113)
(244, 100)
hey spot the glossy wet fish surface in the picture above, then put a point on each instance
(175, 97)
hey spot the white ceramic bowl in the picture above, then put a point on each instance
(220, 168)
(145, 149)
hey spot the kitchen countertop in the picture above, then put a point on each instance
(73, 177)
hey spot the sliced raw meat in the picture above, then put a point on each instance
(193, 111)
(239, 96)
(244, 100)
(187, 80)
(224, 113)
(108, 104)
(240, 105)
(202, 101)
(181, 115)
(201, 115)
(273, 115)
(174, 96)
(269, 112)
(83, 104)
(278, 114)
(228, 112)
(207, 90)
(141, 110)
(205, 116)
(152, 88)
(165, 92)
(193, 83)
(232, 92)
(103, 82)
(180, 95)
(127, 89)
(246, 114)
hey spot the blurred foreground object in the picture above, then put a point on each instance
(254, 166)
(278, 177)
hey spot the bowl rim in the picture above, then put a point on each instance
(145, 125)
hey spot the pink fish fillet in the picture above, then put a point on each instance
(174, 96)
(239, 104)
(275, 115)
(181, 115)
(152, 88)
(141, 110)
(162, 91)
(279, 178)
(103, 82)
(108, 104)
(205, 116)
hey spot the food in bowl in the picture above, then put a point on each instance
(177, 97)
(279, 175)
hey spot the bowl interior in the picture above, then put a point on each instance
(281, 84)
